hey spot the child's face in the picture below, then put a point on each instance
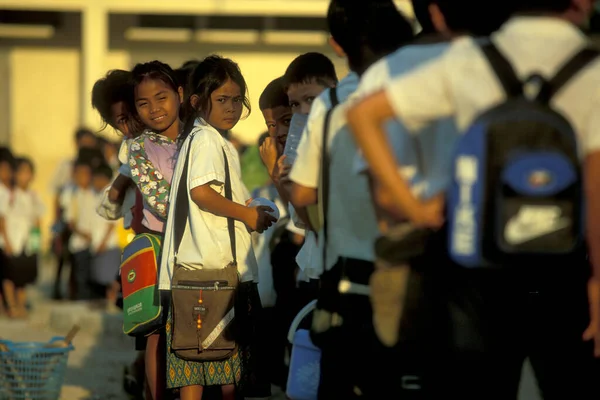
(99, 182)
(278, 123)
(157, 104)
(82, 175)
(302, 95)
(6, 173)
(23, 176)
(120, 117)
(226, 106)
(87, 142)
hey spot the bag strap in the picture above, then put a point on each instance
(504, 71)
(571, 68)
(324, 190)
(182, 205)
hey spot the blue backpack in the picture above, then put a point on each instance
(516, 194)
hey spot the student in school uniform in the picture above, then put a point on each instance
(424, 158)
(215, 107)
(7, 162)
(79, 204)
(62, 182)
(20, 215)
(152, 157)
(307, 76)
(357, 34)
(540, 313)
(104, 245)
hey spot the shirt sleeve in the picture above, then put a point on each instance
(307, 167)
(4, 202)
(422, 96)
(207, 164)
(149, 180)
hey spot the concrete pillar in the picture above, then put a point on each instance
(94, 49)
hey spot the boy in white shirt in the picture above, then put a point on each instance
(507, 315)
(80, 204)
(362, 33)
(104, 246)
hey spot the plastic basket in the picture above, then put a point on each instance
(28, 371)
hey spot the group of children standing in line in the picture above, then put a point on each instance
(21, 210)
(83, 239)
(469, 330)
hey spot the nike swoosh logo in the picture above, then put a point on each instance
(517, 233)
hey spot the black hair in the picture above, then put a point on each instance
(262, 138)
(209, 75)
(423, 16)
(83, 132)
(115, 87)
(490, 15)
(7, 157)
(308, 68)
(90, 157)
(155, 70)
(274, 95)
(103, 170)
(548, 6)
(20, 161)
(185, 71)
(367, 30)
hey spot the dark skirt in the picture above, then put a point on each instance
(242, 369)
(21, 270)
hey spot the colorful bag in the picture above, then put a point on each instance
(142, 310)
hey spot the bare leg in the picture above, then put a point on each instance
(191, 393)
(228, 392)
(21, 297)
(9, 295)
(155, 366)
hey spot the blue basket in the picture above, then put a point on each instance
(28, 371)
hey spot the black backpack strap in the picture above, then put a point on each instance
(504, 71)
(324, 191)
(182, 205)
(571, 68)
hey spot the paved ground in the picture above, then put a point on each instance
(101, 350)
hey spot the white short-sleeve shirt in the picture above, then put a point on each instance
(22, 210)
(462, 84)
(206, 242)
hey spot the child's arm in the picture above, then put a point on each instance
(153, 186)
(4, 234)
(117, 191)
(256, 218)
(366, 120)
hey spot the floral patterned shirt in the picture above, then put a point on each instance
(152, 158)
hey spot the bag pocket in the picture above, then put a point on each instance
(203, 314)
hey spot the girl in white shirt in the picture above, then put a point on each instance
(218, 98)
(20, 215)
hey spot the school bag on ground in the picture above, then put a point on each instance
(142, 310)
(517, 190)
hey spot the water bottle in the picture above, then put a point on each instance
(34, 242)
(297, 126)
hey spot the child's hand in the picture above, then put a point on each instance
(429, 214)
(268, 154)
(283, 171)
(249, 201)
(259, 219)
